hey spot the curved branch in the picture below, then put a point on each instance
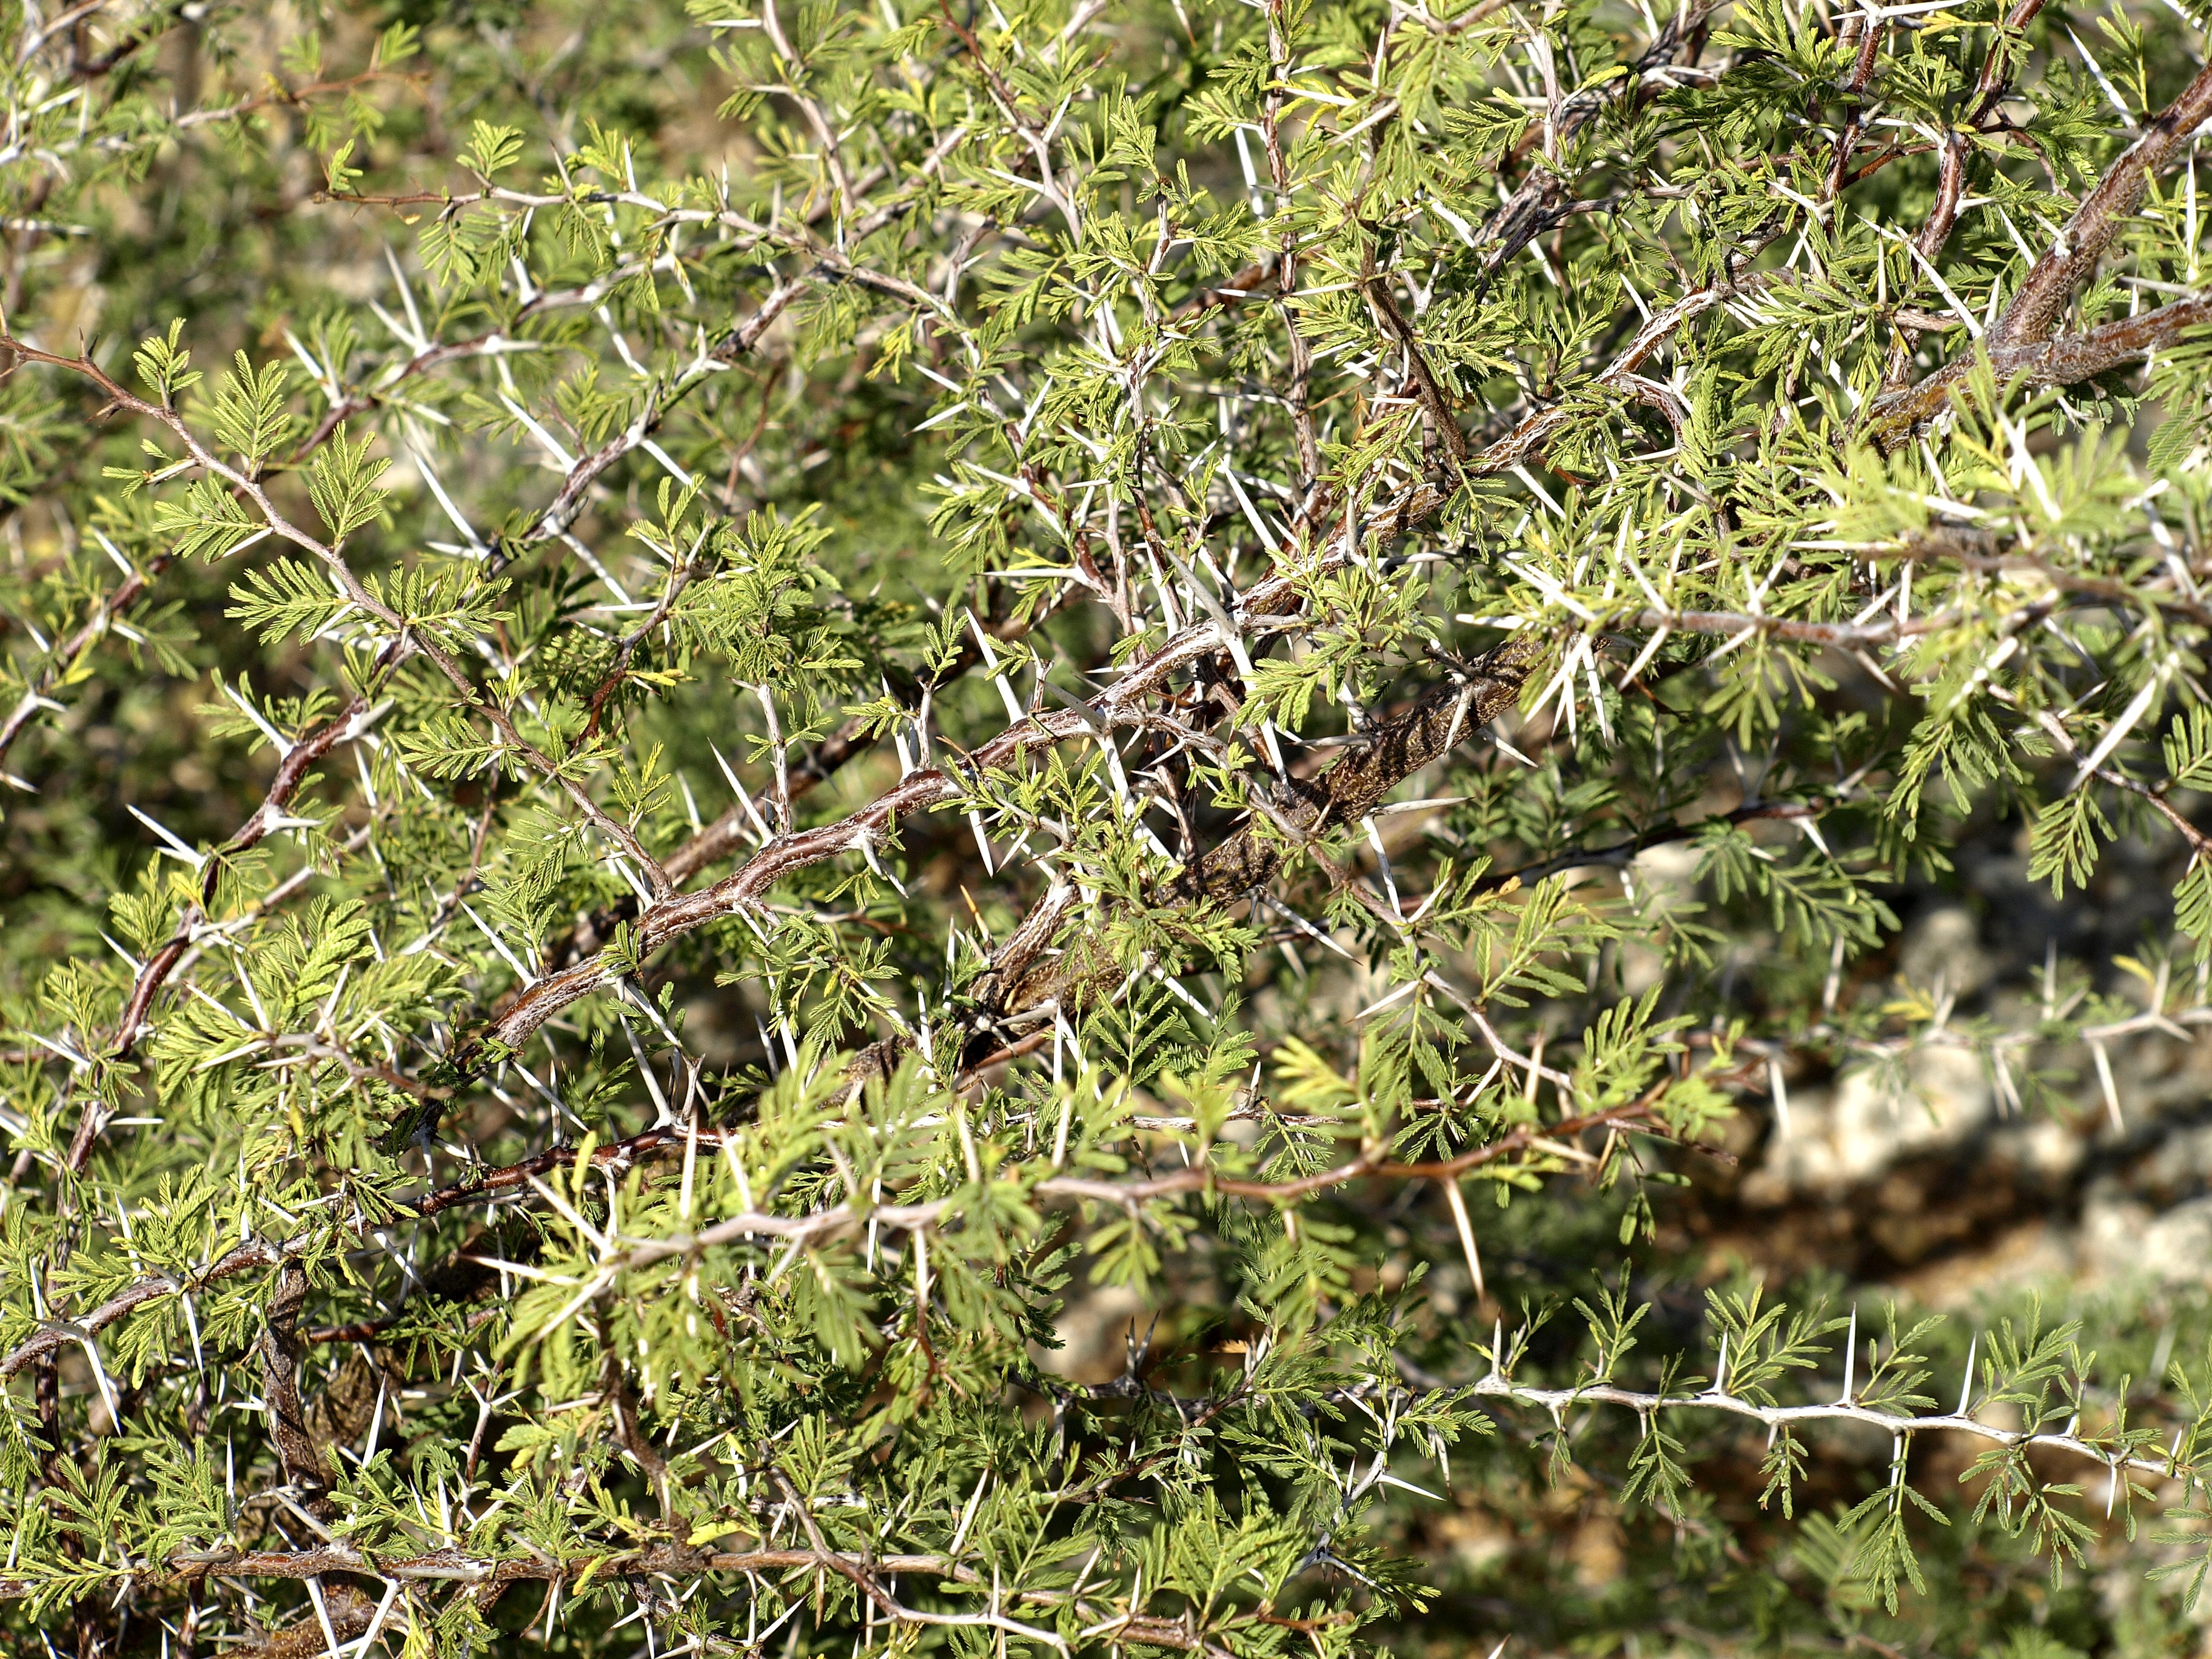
(346, 724)
(2096, 223)
(2066, 361)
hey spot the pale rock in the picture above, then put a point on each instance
(2182, 1160)
(1870, 1119)
(2041, 1146)
(1094, 1332)
(2122, 1238)
(1944, 946)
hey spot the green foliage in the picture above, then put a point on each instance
(781, 880)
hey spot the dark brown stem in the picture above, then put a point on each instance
(1441, 414)
(618, 1157)
(2065, 360)
(2096, 223)
(722, 837)
(1950, 180)
(1995, 81)
(1023, 981)
(1854, 88)
(626, 649)
(305, 1466)
(674, 917)
(1546, 195)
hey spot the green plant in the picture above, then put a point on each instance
(826, 687)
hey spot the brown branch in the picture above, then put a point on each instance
(1441, 414)
(2200, 844)
(1022, 986)
(719, 839)
(1994, 83)
(1991, 88)
(626, 649)
(1950, 180)
(257, 1255)
(488, 1575)
(2065, 360)
(2154, 797)
(359, 1071)
(617, 1157)
(305, 1467)
(674, 917)
(2096, 223)
(1854, 88)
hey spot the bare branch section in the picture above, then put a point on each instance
(2066, 359)
(2015, 346)
(2097, 223)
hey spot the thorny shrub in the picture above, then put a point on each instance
(717, 723)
